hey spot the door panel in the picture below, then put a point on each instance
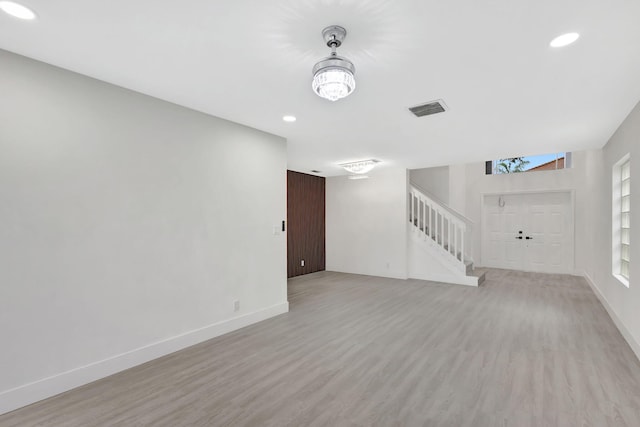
(305, 223)
(496, 247)
(546, 222)
(559, 245)
(502, 249)
(513, 217)
(535, 233)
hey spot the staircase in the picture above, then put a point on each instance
(440, 244)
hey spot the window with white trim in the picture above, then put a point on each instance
(621, 237)
(541, 162)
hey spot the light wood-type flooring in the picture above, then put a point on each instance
(522, 350)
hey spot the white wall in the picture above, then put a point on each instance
(127, 228)
(458, 188)
(434, 181)
(366, 224)
(622, 303)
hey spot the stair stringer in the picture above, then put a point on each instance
(429, 262)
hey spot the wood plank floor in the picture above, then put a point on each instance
(524, 349)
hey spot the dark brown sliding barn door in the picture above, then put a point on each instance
(306, 223)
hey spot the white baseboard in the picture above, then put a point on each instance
(47, 387)
(616, 320)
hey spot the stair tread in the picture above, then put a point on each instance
(477, 272)
(480, 273)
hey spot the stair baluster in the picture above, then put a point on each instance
(441, 226)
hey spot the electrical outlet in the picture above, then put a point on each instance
(301, 263)
(236, 305)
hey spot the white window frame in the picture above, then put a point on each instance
(621, 220)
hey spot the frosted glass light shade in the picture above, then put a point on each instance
(360, 167)
(333, 83)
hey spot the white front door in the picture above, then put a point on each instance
(499, 246)
(530, 232)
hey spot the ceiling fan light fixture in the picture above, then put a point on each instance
(333, 76)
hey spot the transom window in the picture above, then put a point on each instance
(542, 162)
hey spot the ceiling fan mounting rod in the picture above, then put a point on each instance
(334, 36)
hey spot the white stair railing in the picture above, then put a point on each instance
(441, 226)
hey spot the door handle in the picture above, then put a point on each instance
(519, 237)
(528, 238)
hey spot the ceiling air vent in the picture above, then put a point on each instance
(433, 107)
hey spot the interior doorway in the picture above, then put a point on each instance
(528, 231)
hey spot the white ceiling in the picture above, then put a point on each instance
(250, 61)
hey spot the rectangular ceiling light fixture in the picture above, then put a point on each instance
(359, 167)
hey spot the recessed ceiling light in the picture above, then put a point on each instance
(17, 10)
(564, 40)
(358, 177)
(289, 119)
